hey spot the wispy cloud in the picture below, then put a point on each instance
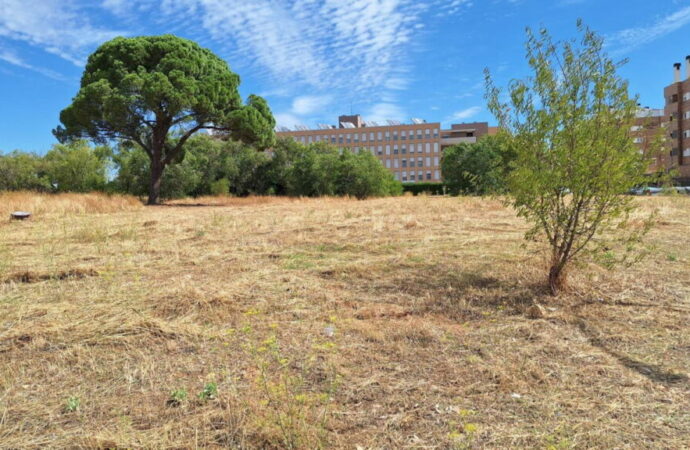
(626, 40)
(55, 26)
(309, 104)
(11, 58)
(466, 113)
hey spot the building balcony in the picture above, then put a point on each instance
(445, 142)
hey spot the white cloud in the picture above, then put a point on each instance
(287, 120)
(631, 38)
(310, 104)
(380, 112)
(11, 58)
(55, 26)
(466, 113)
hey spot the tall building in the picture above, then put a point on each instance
(648, 131)
(411, 151)
(677, 112)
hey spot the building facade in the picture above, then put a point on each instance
(412, 152)
(647, 133)
(677, 114)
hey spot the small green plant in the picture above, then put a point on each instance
(209, 392)
(177, 397)
(671, 257)
(289, 403)
(462, 432)
(72, 404)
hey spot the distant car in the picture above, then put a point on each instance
(646, 190)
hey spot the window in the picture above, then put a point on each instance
(428, 147)
(388, 136)
(403, 150)
(686, 115)
(404, 176)
(427, 134)
(428, 161)
(435, 147)
(397, 176)
(428, 175)
(395, 149)
(340, 139)
(364, 137)
(371, 136)
(638, 140)
(686, 152)
(412, 176)
(380, 136)
(437, 175)
(686, 133)
(404, 163)
(435, 133)
(411, 162)
(635, 128)
(347, 138)
(420, 162)
(435, 160)
(686, 96)
(333, 139)
(380, 150)
(403, 135)
(395, 135)
(419, 148)
(419, 134)
(388, 149)
(388, 163)
(396, 163)
(420, 176)
(356, 137)
(411, 134)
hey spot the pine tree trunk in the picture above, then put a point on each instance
(156, 177)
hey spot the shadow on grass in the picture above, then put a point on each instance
(652, 371)
(456, 294)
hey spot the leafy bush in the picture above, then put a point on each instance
(23, 171)
(480, 168)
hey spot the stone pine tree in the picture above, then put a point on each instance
(570, 123)
(156, 92)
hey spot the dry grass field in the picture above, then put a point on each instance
(277, 323)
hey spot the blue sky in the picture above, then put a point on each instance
(315, 59)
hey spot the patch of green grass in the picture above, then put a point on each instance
(177, 397)
(72, 404)
(298, 261)
(210, 391)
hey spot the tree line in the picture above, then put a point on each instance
(208, 166)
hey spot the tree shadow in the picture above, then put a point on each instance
(457, 294)
(653, 372)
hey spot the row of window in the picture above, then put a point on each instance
(419, 162)
(380, 136)
(419, 176)
(381, 150)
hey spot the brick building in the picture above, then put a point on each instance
(411, 151)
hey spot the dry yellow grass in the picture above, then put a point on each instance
(63, 204)
(389, 323)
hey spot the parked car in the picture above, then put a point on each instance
(646, 190)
